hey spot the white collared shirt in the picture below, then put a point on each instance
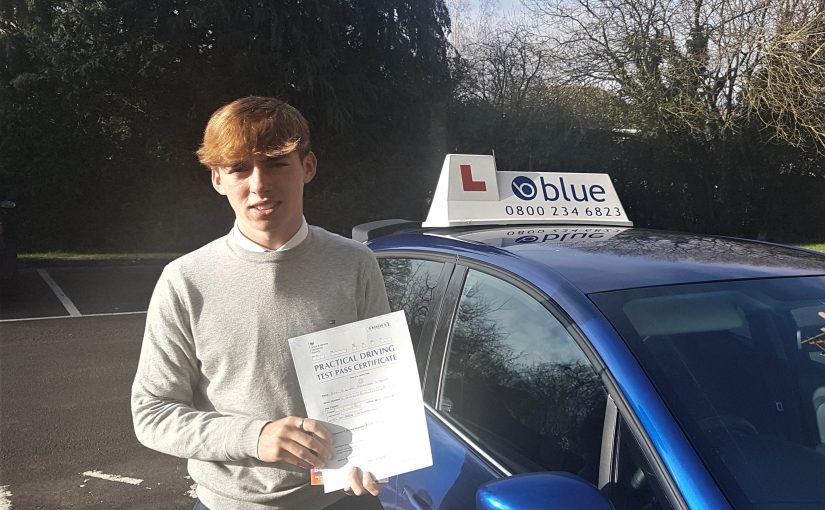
(250, 245)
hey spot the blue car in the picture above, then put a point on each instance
(574, 362)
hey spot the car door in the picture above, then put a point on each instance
(415, 284)
(507, 391)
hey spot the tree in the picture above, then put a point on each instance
(510, 96)
(121, 90)
(787, 92)
(705, 67)
(502, 64)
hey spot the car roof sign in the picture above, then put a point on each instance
(471, 191)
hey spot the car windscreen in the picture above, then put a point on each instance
(741, 365)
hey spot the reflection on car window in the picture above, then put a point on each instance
(517, 382)
(410, 284)
(634, 485)
(742, 367)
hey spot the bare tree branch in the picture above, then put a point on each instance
(710, 67)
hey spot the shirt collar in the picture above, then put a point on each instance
(250, 245)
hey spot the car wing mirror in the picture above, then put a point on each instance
(545, 491)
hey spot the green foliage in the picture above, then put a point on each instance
(104, 102)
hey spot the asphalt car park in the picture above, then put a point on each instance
(70, 337)
(61, 288)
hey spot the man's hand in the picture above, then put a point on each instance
(299, 441)
(361, 482)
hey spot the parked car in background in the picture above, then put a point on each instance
(569, 361)
(8, 245)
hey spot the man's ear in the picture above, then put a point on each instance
(216, 181)
(310, 164)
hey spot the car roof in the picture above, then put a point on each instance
(599, 259)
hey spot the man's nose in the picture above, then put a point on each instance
(258, 180)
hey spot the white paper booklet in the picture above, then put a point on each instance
(361, 380)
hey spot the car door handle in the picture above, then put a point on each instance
(419, 500)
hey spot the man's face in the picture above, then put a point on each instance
(267, 195)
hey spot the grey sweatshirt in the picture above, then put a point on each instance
(215, 365)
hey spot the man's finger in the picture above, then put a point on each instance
(354, 477)
(315, 436)
(305, 454)
(312, 442)
(319, 430)
(320, 448)
(370, 483)
(295, 461)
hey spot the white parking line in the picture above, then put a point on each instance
(5, 494)
(64, 299)
(23, 319)
(113, 478)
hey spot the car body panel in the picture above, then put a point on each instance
(451, 481)
(677, 454)
(566, 269)
(645, 257)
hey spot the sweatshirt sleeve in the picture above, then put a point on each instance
(162, 393)
(374, 299)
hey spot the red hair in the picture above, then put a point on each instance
(253, 126)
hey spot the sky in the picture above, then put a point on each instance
(464, 16)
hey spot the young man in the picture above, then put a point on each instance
(215, 383)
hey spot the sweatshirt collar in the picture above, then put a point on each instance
(249, 245)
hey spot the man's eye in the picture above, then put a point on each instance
(275, 163)
(238, 168)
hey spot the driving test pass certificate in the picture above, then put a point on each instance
(361, 380)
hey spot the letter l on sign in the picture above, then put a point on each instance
(467, 181)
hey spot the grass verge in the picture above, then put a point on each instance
(65, 255)
(817, 247)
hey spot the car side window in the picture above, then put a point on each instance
(410, 285)
(635, 486)
(517, 382)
